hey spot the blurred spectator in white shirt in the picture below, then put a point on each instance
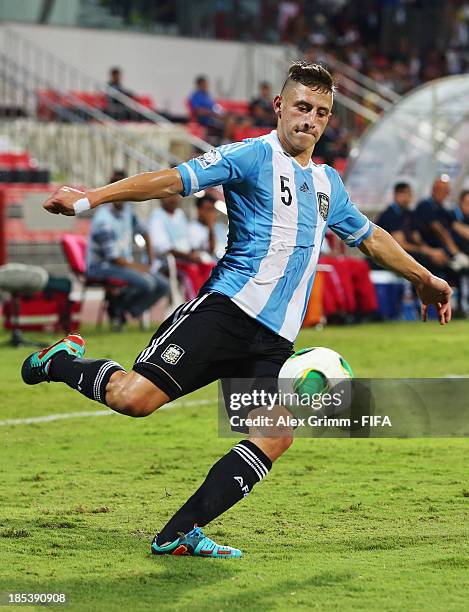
(168, 227)
(169, 230)
(207, 236)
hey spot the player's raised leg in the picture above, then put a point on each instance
(102, 380)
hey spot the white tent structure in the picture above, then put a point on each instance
(424, 135)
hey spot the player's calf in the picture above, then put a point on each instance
(273, 447)
(272, 438)
(102, 380)
(133, 395)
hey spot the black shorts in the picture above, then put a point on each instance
(207, 339)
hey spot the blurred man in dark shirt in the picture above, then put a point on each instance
(400, 222)
(461, 222)
(435, 224)
(261, 108)
(115, 108)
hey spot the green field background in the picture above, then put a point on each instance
(339, 524)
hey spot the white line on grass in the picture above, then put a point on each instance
(95, 413)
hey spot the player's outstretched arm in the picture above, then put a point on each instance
(382, 247)
(146, 186)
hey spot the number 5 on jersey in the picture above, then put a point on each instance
(285, 189)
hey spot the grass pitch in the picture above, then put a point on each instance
(337, 525)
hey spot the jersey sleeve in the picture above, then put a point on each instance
(231, 163)
(345, 220)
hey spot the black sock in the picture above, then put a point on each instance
(229, 480)
(88, 376)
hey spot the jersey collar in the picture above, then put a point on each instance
(277, 146)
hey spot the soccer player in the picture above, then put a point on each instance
(249, 312)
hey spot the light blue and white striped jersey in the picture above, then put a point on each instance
(278, 214)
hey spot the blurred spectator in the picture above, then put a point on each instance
(461, 213)
(203, 106)
(207, 235)
(207, 112)
(288, 11)
(461, 222)
(169, 231)
(368, 35)
(115, 108)
(435, 223)
(400, 222)
(441, 229)
(110, 255)
(204, 237)
(334, 143)
(261, 109)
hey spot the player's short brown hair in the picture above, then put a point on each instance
(314, 76)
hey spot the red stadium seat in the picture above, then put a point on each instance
(340, 164)
(146, 101)
(46, 99)
(15, 160)
(74, 248)
(190, 112)
(241, 132)
(196, 129)
(100, 100)
(236, 107)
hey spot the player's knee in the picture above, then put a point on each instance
(275, 447)
(133, 404)
(283, 443)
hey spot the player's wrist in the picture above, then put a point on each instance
(81, 205)
(89, 200)
(421, 277)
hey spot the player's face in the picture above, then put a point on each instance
(302, 114)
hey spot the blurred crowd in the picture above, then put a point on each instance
(434, 233)
(177, 257)
(400, 43)
(382, 39)
(385, 40)
(180, 252)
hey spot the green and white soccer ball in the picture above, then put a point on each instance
(314, 371)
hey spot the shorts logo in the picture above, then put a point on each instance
(323, 201)
(172, 354)
(209, 159)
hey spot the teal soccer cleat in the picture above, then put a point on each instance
(195, 544)
(36, 367)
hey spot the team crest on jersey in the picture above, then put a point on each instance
(172, 354)
(323, 201)
(209, 159)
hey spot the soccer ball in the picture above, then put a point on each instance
(313, 371)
